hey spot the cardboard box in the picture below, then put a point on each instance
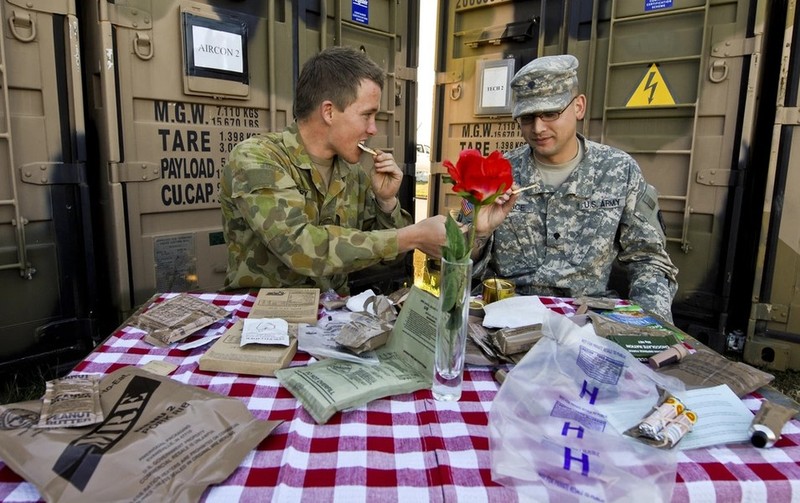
(295, 305)
(227, 354)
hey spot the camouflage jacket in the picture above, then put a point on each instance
(564, 242)
(283, 229)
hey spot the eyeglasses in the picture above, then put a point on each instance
(527, 120)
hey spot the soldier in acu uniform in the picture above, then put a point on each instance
(298, 208)
(588, 206)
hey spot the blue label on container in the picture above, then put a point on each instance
(361, 11)
(656, 5)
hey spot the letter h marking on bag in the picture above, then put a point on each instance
(568, 426)
(583, 459)
(592, 394)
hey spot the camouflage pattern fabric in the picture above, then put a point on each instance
(283, 229)
(546, 84)
(564, 243)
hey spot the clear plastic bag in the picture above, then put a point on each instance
(549, 438)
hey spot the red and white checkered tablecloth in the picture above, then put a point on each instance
(407, 447)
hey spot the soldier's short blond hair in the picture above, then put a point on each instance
(334, 74)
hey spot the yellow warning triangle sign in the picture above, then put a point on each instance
(652, 91)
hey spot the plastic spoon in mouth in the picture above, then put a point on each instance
(367, 149)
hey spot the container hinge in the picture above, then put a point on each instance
(787, 116)
(53, 173)
(405, 73)
(770, 312)
(49, 6)
(715, 177)
(121, 172)
(133, 14)
(734, 48)
(449, 77)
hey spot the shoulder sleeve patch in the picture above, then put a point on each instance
(261, 176)
(647, 209)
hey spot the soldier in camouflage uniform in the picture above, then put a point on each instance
(298, 208)
(588, 206)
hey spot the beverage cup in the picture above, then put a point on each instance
(495, 289)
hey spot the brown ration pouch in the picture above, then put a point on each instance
(161, 440)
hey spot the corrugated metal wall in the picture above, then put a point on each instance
(94, 223)
(676, 84)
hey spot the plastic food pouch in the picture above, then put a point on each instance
(548, 437)
(71, 402)
(177, 318)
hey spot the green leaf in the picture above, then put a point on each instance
(454, 322)
(490, 199)
(456, 248)
(450, 291)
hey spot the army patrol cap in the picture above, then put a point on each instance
(546, 84)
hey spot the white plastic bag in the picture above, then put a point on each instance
(548, 437)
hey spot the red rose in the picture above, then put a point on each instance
(480, 179)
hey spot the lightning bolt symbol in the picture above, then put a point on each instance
(651, 85)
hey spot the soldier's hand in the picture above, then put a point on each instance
(491, 216)
(386, 178)
(427, 236)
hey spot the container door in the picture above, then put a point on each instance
(663, 82)
(174, 86)
(46, 251)
(386, 31)
(773, 331)
(480, 47)
(672, 98)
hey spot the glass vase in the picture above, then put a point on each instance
(455, 280)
